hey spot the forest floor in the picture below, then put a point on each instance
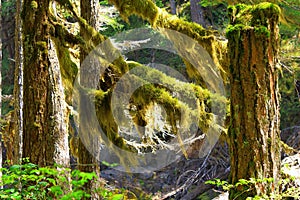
(185, 178)
(184, 175)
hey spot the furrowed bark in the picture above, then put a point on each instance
(44, 131)
(254, 127)
(18, 87)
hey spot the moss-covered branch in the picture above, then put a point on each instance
(163, 93)
(160, 18)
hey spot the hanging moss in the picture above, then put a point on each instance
(161, 93)
(68, 68)
(160, 18)
(130, 7)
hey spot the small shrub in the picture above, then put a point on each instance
(285, 187)
(29, 181)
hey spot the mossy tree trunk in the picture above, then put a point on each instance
(254, 127)
(44, 131)
(89, 78)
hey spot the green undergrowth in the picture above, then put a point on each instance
(284, 187)
(29, 181)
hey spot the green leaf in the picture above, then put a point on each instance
(35, 171)
(117, 196)
(31, 187)
(51, 180)
(104, 193)
(243, 181)
(43, 183)
(212, 182)
(15, 168)
(56, 189)
(31, 177)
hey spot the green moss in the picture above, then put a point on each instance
(241, 7)
(160, 18)
(245, 143)
(262, 31)
(68, 68)
(233, 29)
(263, 12)
(268, 8)
(36, 124)
(257, 15)
(160, 93)
(34, 5)
(245, 17)
(129, 7)
(251, 164)
(41, 44)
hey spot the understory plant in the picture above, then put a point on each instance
(29, 181)
(284, 188)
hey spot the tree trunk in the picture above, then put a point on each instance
(89, 78)
(44, 131)
(197, 12)
(173, 7)
(18, 86)
(58, 110)
(254, 126)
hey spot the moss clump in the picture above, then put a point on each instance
(262, 31)
(41, 44)
(160, 18)
(34, 5)
(263, 12)
(130, 7)
(257, 15)
(245, 17)
(232, 30)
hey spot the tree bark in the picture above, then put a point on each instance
(89, 78)
(18, 86)
(44, 131)
(58, 110)
(197, 12)
(173, 7)
(254, 127)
